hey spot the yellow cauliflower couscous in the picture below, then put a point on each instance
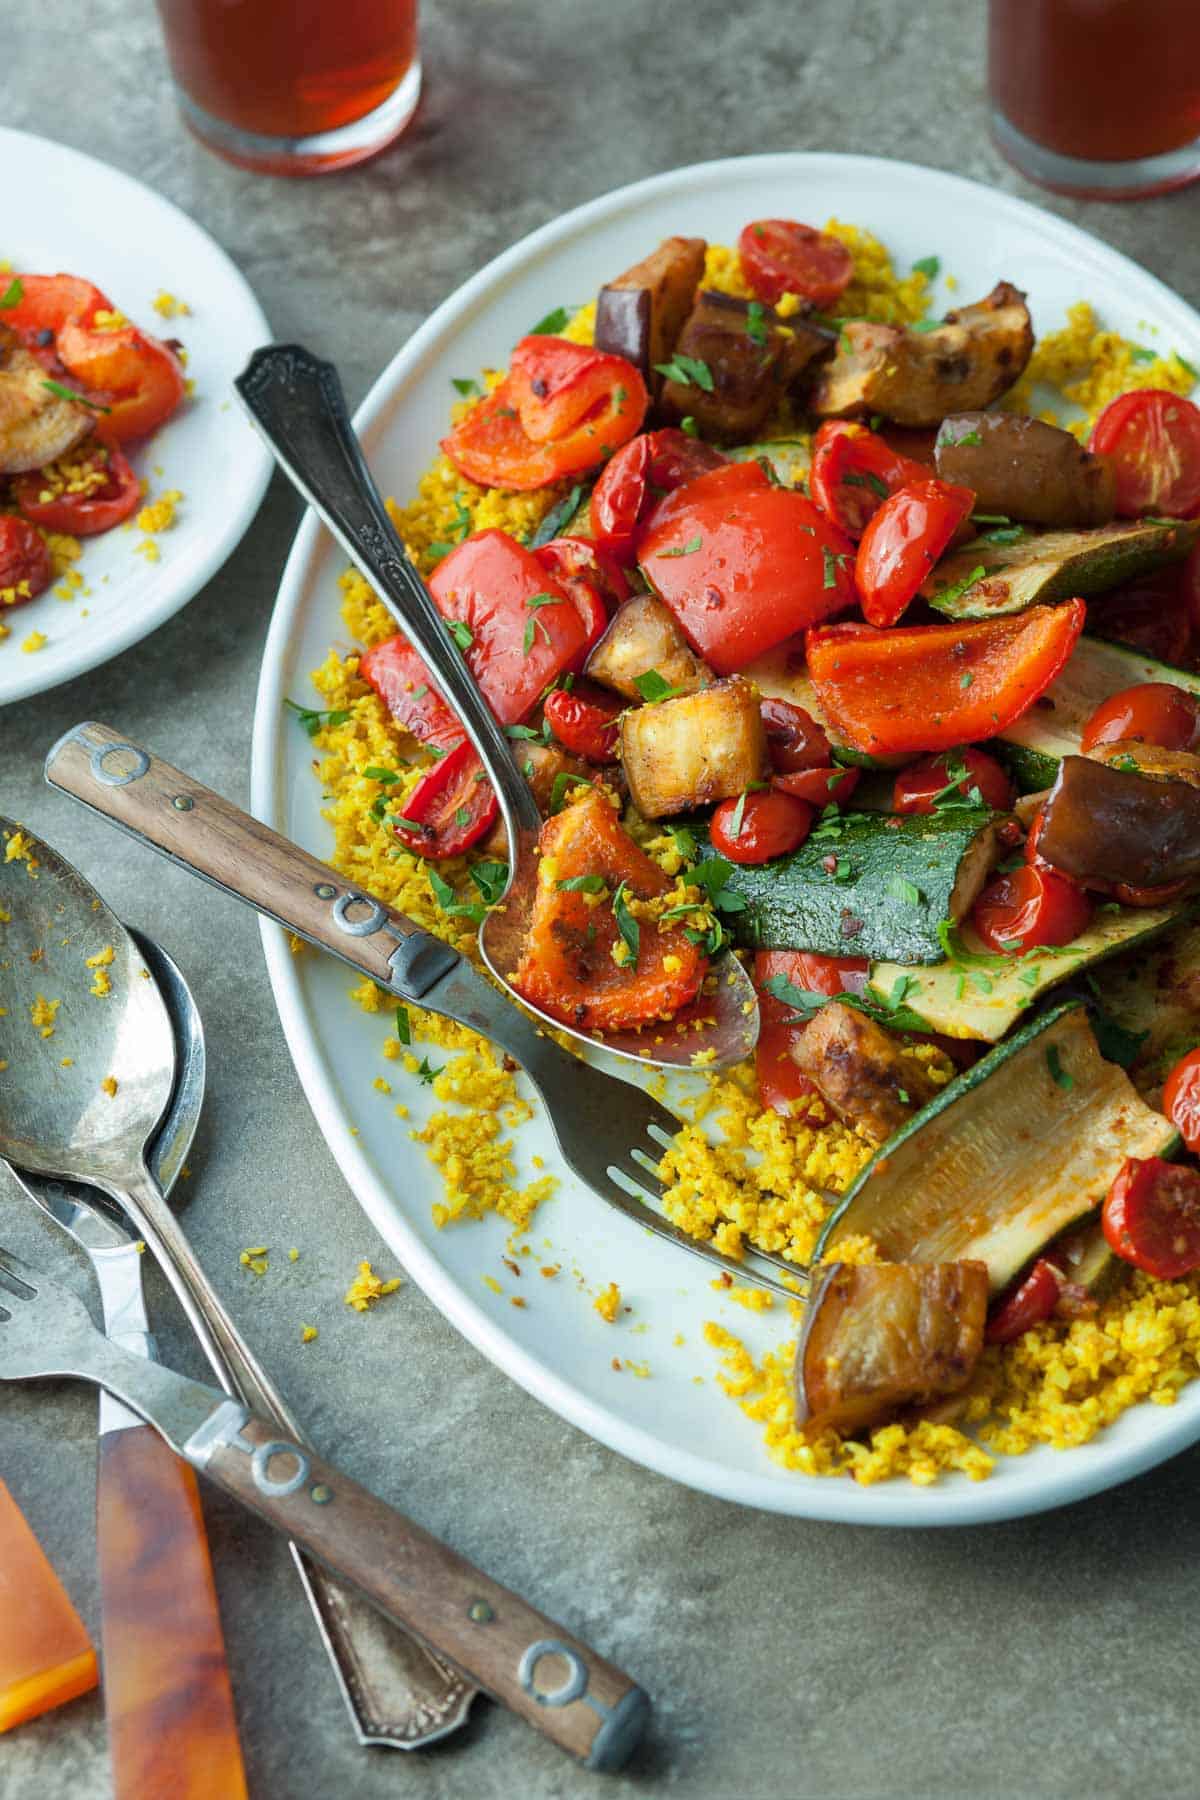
(737, 1175)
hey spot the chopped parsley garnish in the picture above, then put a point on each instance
(689, 371)
(1004, 534)
(403, 1025)
(627, 925)
(927, 325)
(464, 385)
(904, 890)
(829, 567)
(522, 731)
(956, 589)
(683, 841)
(756, 322)
(653, 686)
(928, 265)
(449, 902)
(688, 549)
(1181, 360)
(965, 679)
(1057, 1073)
(968, 440)
(852, 478)
(689, 426)
(556, 518)
(562, 781)
(491, 878)
(462, 817)
(312, 721)
(427, 1074)
(14, 293)
(712, 875)
(552, 324)
(1139, 353)
(66, 393)
(737, 818)
(386, 776)
(458, 531)
(581, 884)
(461, 632)
(990, 519)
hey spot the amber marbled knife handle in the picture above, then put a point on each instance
(171, 1724)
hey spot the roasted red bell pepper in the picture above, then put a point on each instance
(934, 687)
(593, 583)
(744, 565)
(561, 409)
(637, 477)
(589, 868)
(513, 621)
(854, 471)
(402, 681)
(451, 807)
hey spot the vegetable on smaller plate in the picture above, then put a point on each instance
(590, 961)
(38, 423)
(139, 378)
(854, 471)
(1154, 712)
(1029, 908)
(903, 541)
(25, 569)
(1025, 469)
(645, 656)
(639, 315)
(1153, 440)
(1152, 1217)
(692, 749)
(880, 1336)
(954, 775)
(935, 687)
(92, 489)
(781, 256)
(758, 827)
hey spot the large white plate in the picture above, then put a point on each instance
(66, 212)
(558, 1348)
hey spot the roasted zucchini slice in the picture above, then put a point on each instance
(985, 580)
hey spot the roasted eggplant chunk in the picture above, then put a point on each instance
(691, 751)
(917, 377)
(1109, 825)
(860, 1072)
(642, 638)
(885, 1335)
(639, 315)
(1026, 469)
(37, 425)
(752, 357)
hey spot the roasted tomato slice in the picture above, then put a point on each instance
(584, 720)
(1153, 439)
(1154, 712)
(25, 567)
(1181, 1098)
(781, 256)
(89, 490)
(854, 471)
(1029, 1302)
(1029, 908)
(794, 738)
(140, 377)
(1152, 1217)
(451, 807)
(903, 541)
(922, 784)
(756, 827)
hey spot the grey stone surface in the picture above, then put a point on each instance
(1050, 1657)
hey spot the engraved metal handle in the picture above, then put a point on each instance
(297, 404)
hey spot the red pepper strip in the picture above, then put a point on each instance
(934, 687)
(585, 721)
(1028, 1303)
(404, 684)
(451, 807)
(516, 626)
(744, 565)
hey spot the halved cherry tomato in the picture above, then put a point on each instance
(820, 787)
(575, 563)
(1151, 1217)
(918, 786)
(48, 302)
(451, 807)
(744, 565)
(24, 562)
(1181, 1098)
(402, 680)
(519, 630)
(1029, 908)
(1154, 712)
(584, 721)
(782, 1085)
(88, 491)
(637, 477)
(1157, 614)
(141, 378)
(1031, 1301)
(1153, 439)
(902, 542)
(562, 409)
(758, 826)
(854, 471)
(935, 687)
(779, 256)
(794, 738)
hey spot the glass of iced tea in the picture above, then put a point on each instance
(294, 87)
(1099, 98)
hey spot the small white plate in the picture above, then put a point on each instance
(69, 214)
(557, 1347)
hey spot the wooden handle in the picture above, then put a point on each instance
(584, 1704)
(171, 1723)
(172, 813)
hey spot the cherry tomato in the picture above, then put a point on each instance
(584, 721)
(1029, 908)
(820, 787)
(1181, 1098)
(141, 378)
(918, 786)
(1151, 1217)
(576, 565)
(402, 680)
(782, 1085)
(902, 542)
(779, 256)
(794, 738)
(637, 478)
(106, 490)
(24, 562)
(758, 826)
(854, 471)
(1032, 1300)
(1153, 439)
(1154, 712)
(1157, 614)
(451, 807)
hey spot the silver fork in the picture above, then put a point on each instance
(611, 1133)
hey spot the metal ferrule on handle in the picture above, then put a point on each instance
(297, 404)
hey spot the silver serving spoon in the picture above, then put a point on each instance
(297, 404)
(58, 1124)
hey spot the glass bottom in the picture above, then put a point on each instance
(319, 154)
(1089, 180)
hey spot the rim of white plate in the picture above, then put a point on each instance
(1019, 1486)
(42, 159)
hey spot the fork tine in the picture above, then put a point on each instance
(798, 1271)
(17, 1277)
(635, 1203)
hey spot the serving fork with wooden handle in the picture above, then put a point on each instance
(537, 1668)
(611, 1134)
